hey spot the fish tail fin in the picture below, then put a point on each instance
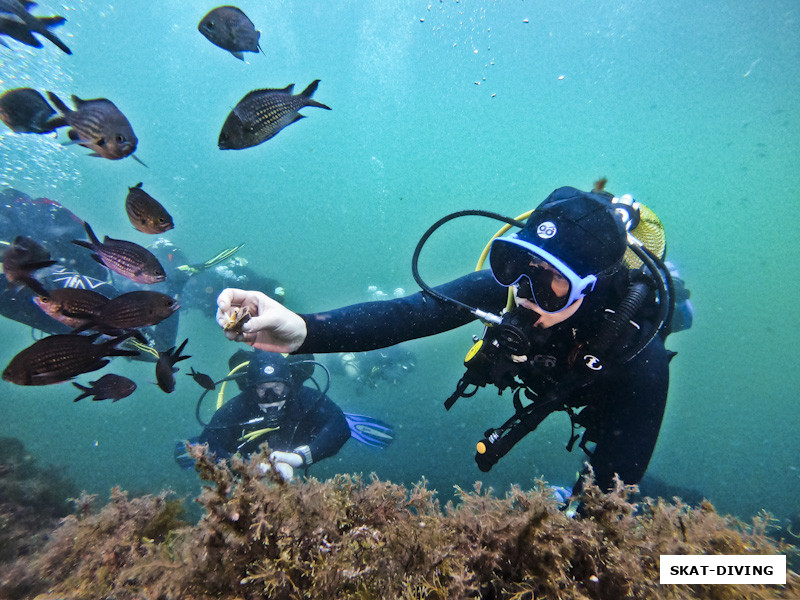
(311, 102)
(49, 22)
(51, 36)
(177, 354)
(85, 391)
(59, 104)
(34, 284)
(309, 91)
(54, 123)
(92, 237)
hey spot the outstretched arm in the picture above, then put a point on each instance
(361, 326)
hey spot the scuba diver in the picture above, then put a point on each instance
(382, 365)
(54, 227)
(371, 368)
(577, 305)
(300, 423)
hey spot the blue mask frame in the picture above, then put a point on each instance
(510, 263)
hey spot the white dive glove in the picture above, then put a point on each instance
(271, 327)
(286, 462)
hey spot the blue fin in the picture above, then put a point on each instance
(182, 456)
(370, 431)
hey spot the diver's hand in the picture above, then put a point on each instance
(272, 326)
(285, 463)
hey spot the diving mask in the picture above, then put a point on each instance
(539, 275)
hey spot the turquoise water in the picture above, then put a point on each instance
(441, 106)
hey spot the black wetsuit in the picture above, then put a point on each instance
(307, 419)
(621, 409)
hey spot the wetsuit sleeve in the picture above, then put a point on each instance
(223, 431)
(374, 325)
(326, 424)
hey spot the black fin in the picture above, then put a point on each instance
(60, 106)
(87, 391)
(312, 87)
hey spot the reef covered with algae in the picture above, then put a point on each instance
(353, 538)
(32, 500)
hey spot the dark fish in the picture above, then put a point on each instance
(132, 310)
(96, 124)
(166, 369)
(72, 306)
(24, 256)
(202, 379)
(145, 212)
(263, 113)
(126, 258)
(230, 29)
(25, 110)
(61, 357)
(16, 22)
(115, 387)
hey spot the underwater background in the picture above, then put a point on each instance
(438, 107)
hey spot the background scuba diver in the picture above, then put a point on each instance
(583, 331)
(302, 425)
(54, 226)
(371, 368)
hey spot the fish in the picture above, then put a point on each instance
(17, 23)
(72, 306)
(132, 310)
(24, 256)
(145, 212)
(230, 29)
(202, 380)
(61, 357)
(126, 258)
(261, 114)
(96, 124)
(24, 110)
(166, 369)
(109, 386)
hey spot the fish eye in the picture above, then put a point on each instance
(120, 138)
(210, 24)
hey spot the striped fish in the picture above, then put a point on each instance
(96, 124)
(71, 306)
(126, 258)
(261, 114)
(141, 308)
(145, 212)
(58, 358)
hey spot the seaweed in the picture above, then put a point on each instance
(351, 537)
(32, 499)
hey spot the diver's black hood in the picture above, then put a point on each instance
(580, 228)
(268, 366)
